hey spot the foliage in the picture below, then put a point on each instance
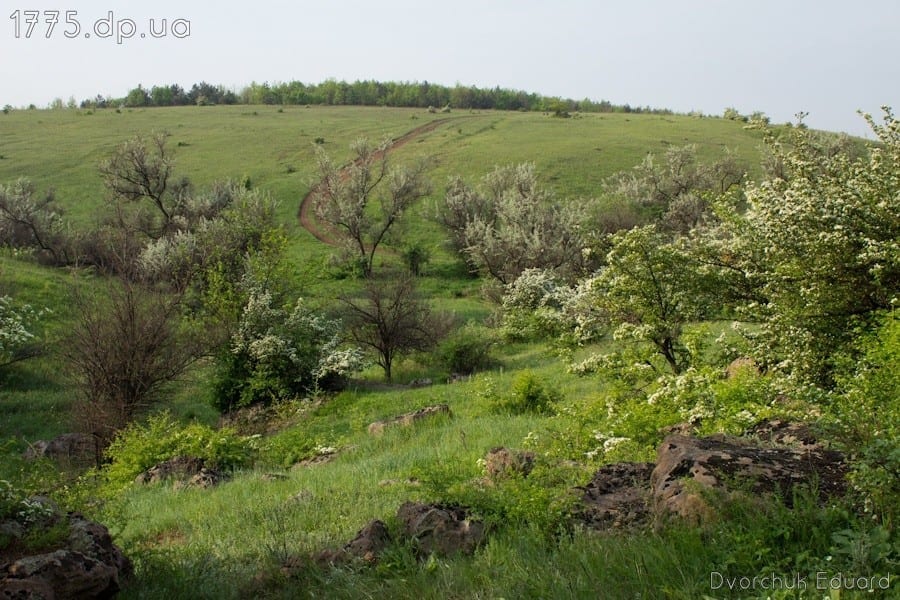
(279, 352)
(864, 411)
(143, 445)
(467, 349)
(648, 291)
(30, 222)
(392, 319)
(17, 337)
(537, 305)
(528, 395)
(677, 189)
(141, 170)
(511, 224)
(348, 197)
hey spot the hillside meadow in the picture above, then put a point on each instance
(306, 474)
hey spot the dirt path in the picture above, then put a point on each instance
(327, 235)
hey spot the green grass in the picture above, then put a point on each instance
(230, 541)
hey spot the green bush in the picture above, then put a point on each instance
(141, 446)
(529, 395)
(467, 350)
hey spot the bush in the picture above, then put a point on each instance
(529, 396)
(467, 350)
(277, 354)
(141, 446)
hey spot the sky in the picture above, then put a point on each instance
(827, 58)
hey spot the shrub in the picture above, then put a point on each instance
(141, 446)
(467, 350)
(529, 395)
(276, 354)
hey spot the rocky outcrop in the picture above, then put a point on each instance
(687, 466)
(440, 529)
(617, 496)
(405, 420)
(185, 470)
(369, 542)
(86, 565)
(502, 462)
(772, 458)
(79, 449)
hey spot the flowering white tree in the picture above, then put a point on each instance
(817, 251)
(16, 335)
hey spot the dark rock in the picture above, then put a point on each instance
(71, 575)
(207, 478)
(617, 496)
(93, 539)
(74, 448)
(440, 529)
(686, 466)
(502, 462)
(26, 589)
(180, 467)
(785, 433)
(369, 542)
(405, 420)
(88, 566)
(420, 383)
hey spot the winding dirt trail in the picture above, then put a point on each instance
(327, 235)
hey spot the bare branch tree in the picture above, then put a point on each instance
(346, 195)
(141, 169)
(392, 319)
(124, 348)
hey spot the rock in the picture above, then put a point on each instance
(741, 365)
(93, 539)
(181, 467)
(318, 459)
(458, 378)
(26, 589)
(75, 448)
(680, 429)
(687, 465)
(440, 529)
(785, 433)
(405, 420)
(88, 566)
(12, 529)
(69, 574)
(207, 478)
(502, 462)
(420, 383)
(370, 541)
(617, 496)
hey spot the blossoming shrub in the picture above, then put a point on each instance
(278, 353)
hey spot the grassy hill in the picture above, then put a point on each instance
(231, 541)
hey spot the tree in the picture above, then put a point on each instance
(364, 200)
(649, 290)
(820, 239)
(17, 338)
(511, 224)
(27, 221)
(141, 170)
(279, 352)
(392, 319)
(677, 189)
(124, 348)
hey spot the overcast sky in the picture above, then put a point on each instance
(826, 57)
